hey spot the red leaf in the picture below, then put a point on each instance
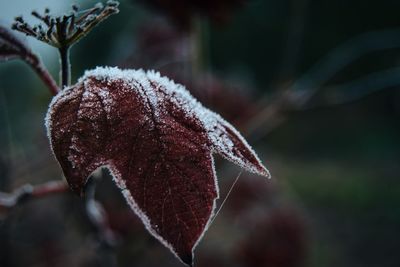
(156, 140)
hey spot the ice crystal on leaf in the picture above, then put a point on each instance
(158, 143)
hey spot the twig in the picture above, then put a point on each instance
(27, 192)
(345, 54)
(357, 89)
(43, 74)
(15, 48)
(297, 96)
(97, 214)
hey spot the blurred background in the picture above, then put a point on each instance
(314, 86)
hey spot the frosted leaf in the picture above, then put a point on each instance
(156, 140)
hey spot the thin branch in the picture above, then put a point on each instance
(97, 214)
(357, 89)
(298, 95)
(345, 54)
(11, 47)
(43, 74)
(28, 192)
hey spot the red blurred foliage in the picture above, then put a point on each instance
(158, 44)
(251, 192)
(278, 240)
(181, 12)
(122, 220)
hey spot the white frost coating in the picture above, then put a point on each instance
(214, 206)
(226, 145)
(117, 177)
(138, 78)
(213, 123)
(177, 93)
(50, 111)
(107, 100)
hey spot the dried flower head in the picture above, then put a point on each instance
(65, 30)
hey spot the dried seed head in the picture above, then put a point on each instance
(65, 30)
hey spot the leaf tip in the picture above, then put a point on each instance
(265, 172)
(187, 259)
(260, 169)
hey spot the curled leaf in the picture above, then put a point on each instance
(158, 143)
(11, 47)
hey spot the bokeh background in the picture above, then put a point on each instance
(313, 85)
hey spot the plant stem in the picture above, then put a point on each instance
(10, 200)
(37, 65)
(97, 215)
(65, 67)
(45, 76)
